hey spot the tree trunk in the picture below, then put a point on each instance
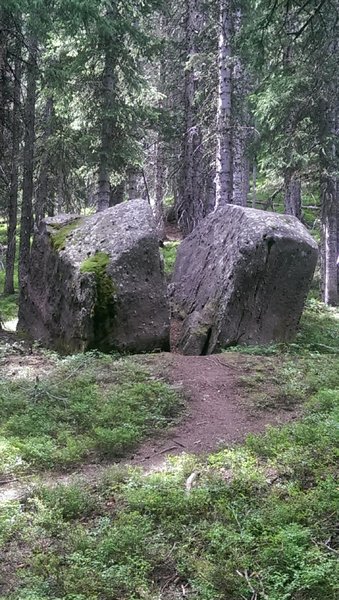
(12, 204)
(189, 206)
(329, 254)
(240, 122)
(117, 194)
(240, 170)
(59, 200)
(254, 184)
(132, 184)
(42, 188)
(224, 174)
(329, 205)
(157, 202)
(3, 53)
(292, 196)
(28, 163)
(108, 91)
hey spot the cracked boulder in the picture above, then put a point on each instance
(97, 282)
(241, 277)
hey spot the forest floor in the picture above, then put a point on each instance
(226, 397)
(166, 477)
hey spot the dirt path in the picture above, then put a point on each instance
(221, 409)
(224, 395)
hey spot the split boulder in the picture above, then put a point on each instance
(241, 277)
(97, 282)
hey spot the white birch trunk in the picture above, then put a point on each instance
(240, 128)
(224, 175)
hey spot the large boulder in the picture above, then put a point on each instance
(241, 277)
(97, 282)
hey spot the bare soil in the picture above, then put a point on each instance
(227, 397)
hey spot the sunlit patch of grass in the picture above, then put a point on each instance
(169, 252)
(88, 407)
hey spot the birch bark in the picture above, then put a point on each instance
(224, 174)
(330, 195)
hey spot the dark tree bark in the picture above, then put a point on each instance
(3, 54)
(107, 130)
(292, 194)
(26, 223)
(42, 187)
(117, 194)
(132, 183)
(189, 206)
(12, 203)
(240, 124)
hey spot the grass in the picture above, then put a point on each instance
(169, 253)
(8, 304)
(91, 406)
(261, 521)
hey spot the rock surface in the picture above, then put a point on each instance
(241, 277)
(97, 282)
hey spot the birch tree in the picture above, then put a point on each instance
(224, 158)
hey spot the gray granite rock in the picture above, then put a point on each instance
(97, 282)
(241, 277)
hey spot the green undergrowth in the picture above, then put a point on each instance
(261, 522)
(169, 253)
(8, 304)
(88, 408)
(293, 372)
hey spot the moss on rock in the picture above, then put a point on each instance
(60, 233)
(105, 288)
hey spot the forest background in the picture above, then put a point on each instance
(190, 105)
